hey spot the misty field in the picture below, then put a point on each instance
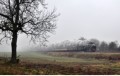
(62, 63)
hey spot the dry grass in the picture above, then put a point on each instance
(48, 64)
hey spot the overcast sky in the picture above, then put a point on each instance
(87, 18)
(98, 19)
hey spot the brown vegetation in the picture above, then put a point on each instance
(101, 64)
(50, 69)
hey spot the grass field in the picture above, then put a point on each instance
(60, 63)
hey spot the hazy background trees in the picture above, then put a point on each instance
(103, 46)
(82, 44)
(113, 45)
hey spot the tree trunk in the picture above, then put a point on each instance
(14, 47)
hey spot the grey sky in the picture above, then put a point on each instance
(98, 19)
(88, 18)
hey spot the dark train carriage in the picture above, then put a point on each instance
(90, 47)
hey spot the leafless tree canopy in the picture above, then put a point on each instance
(26, 16)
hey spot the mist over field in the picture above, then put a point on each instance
(80, 18)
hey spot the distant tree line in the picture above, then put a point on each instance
(83, 44)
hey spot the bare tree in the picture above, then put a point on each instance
(113, 46)
(25, 16)
(103, 46)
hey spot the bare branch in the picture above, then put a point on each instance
(24, 16)
(5, 16)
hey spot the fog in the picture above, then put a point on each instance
(79, 18)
